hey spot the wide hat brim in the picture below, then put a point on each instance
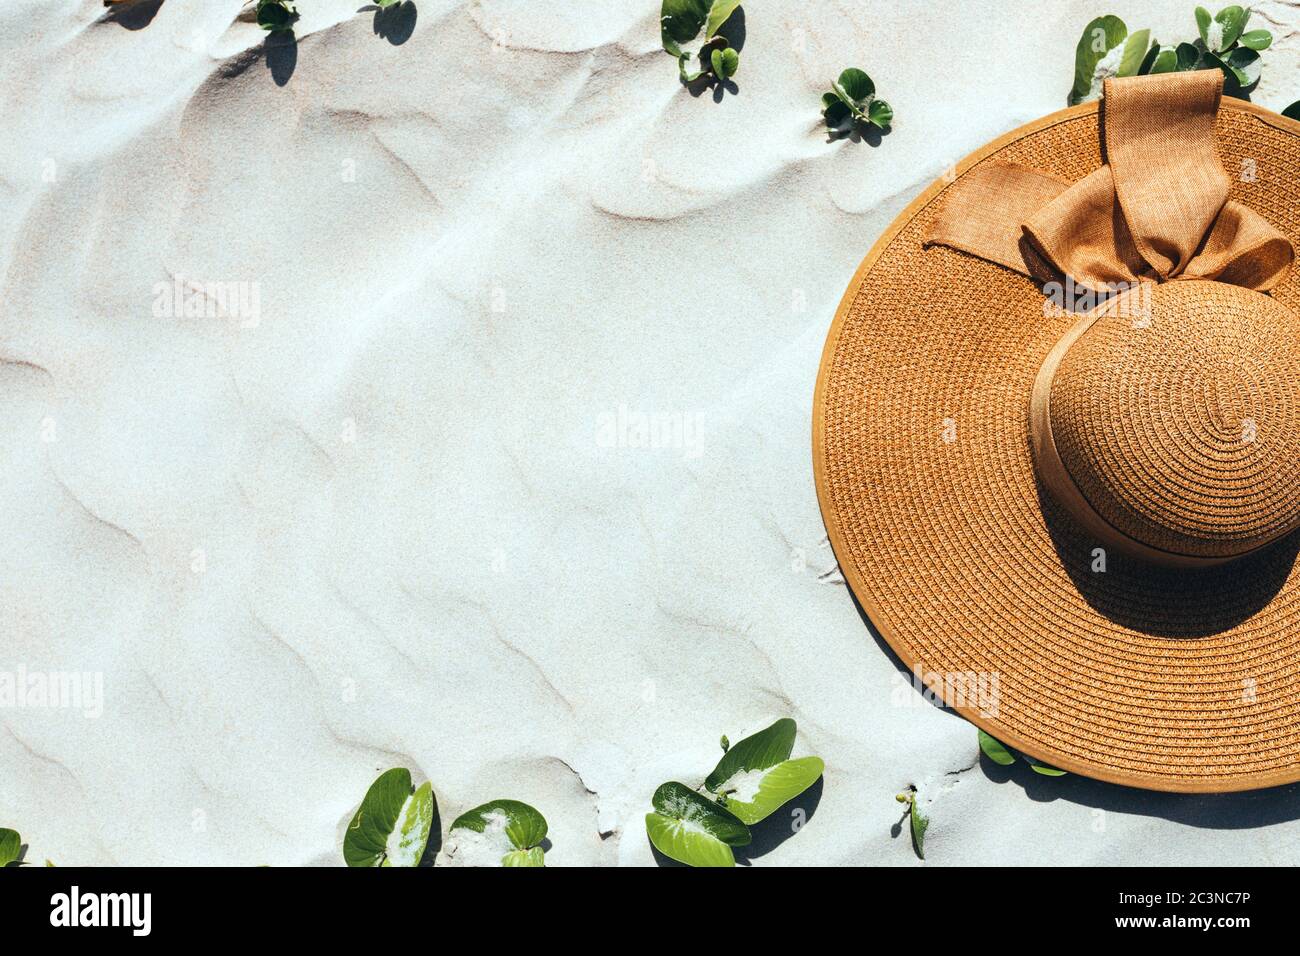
(984, 587)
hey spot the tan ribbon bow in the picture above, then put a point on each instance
(1159, 210)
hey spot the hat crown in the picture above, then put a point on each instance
(1179, 420)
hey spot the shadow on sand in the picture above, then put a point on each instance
(281, 56)
(873, 136)
(394, 23)
(133, 16)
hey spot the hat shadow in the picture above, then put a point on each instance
(1212, 811)
(1174, 602)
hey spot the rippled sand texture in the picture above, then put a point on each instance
(502, 470)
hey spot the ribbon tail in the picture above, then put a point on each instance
(1160, 147)
(983, 216)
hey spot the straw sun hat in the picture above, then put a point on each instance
(1056, 438)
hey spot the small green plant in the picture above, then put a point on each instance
(391, 827)
(918, 821)
(681, 22)
(1107, 49)
(395, 820)
(499, 833)
(278, 16)
(692, 829)
(1292, 111)
(753, 779)
(11, 847)
(852, 101)
(1001, 755)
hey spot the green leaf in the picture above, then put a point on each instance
(1047, 770)
(767, 748)
(1233, 21)
(718, 15)
(692, 829)
(1257, 40)
(1245, 65)
(525, 827)
(838, 114)
(1135, 49)
(920, 823)
(725, 63)
(1099, 37)
(533, 857)
(410, 836)
(855, 86)
(1203, 19)
(1234, 78)
(1149, 60)
(1189, 57)
(995, 750)
(1292, 111)
(366, 842)
(723, 741)
(680, 22)
(11, 845)
(687, 75)
(1164, 61)
(381, 4)
(692, 847)
(757, 794)
(276, 16)
(880, 113)
(719, 68)
(850, 104)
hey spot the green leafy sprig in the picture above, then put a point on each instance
(852, 102)
(754, 778)
(391, 827)
(278, 16)
(395, 820)
(917, 820)
(11, 847)
(1107, 49)
(681, 22)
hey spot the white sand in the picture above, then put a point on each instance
(397, 517)
(743, 786)
(466, 847)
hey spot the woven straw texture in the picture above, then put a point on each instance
(1184, 433)
(1155, 677)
